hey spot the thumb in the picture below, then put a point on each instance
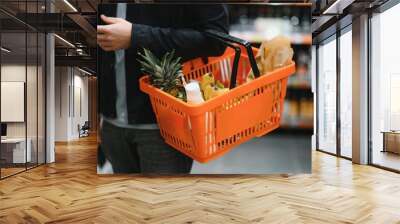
(109, 20)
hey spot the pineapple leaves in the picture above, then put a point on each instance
(165, 74)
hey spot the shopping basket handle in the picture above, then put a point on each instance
(245, 43)
(236, 59)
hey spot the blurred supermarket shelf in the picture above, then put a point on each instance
(305, 87)
(257, 24)
(258, 37)
(298, 109)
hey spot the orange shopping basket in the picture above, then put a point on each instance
(208, 130)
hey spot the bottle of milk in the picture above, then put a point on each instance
(193, 93)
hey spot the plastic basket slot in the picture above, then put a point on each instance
(244, 70)
(211, 67)
(229, 66)
(215, 67)
(242, 136)
(153, 101)
(205, 69)
(225, 74)
(210, 132)
(199, 72)
(189, 76)
(177, 142)
(217, 71)
(166, 115)
(213, 131)
(222, 71)
(280, 89)
(253, 96)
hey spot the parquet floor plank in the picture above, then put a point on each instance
(70, 191)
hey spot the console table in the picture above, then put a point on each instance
(13, 150)
(391, 141)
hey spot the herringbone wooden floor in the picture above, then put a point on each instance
(70, 191)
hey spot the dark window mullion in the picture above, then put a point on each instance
(0, 96)
(44, 72)
(338, 95)
(37, 90)
(317, 96)
(26, 86)
(369, 83)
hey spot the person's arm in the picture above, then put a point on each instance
(187, 42)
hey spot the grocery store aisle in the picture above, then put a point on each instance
(273, 153)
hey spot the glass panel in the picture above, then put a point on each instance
(346, 94)
(32, 87)
(13, 86)
(327, 96)
(23, 81)
(41, 99)
(31, 97)
(385, 86)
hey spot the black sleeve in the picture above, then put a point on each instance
(188, 42)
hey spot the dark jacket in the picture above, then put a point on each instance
(161, 29)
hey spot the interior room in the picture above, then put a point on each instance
(384, 89)
(22, 99)
(340, 113)
(333, 52)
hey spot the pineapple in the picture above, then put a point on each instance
(165, 74)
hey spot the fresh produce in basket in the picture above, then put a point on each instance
(165, 74)
(206, 80)
(211, 88)
(273, 54)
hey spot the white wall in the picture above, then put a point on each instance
(80, 101)
(11, 73)
(62, 81)
(17, 73)
(33, 127)
(71, 93)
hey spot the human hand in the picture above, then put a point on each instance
(116, 35)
